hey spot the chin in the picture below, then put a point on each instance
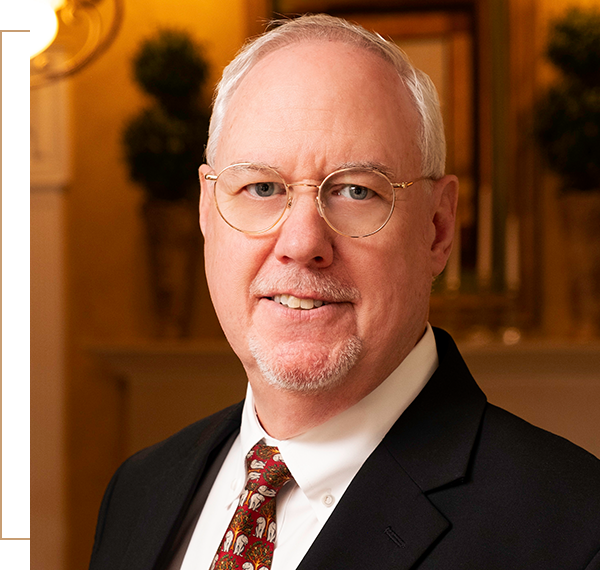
(294, 371)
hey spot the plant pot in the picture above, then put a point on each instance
(173, 247)
(581, 212)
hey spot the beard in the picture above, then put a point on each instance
(300, 367)
(306, 373)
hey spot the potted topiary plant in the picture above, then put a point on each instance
(568, 132)
(164, 145)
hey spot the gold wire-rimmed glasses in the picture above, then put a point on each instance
(355, 202)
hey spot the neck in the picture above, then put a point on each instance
(284, 414)
(291, 414)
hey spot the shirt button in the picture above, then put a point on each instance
(328, 500)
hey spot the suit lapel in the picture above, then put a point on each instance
(433, 439)
(168, 497)
(377, 525)
(385, 519)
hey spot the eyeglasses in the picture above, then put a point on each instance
(355, 202)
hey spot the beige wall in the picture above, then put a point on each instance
(108, 299)
(48, 386)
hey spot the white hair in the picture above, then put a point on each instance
(431, 140)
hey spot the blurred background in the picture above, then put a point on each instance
(125, 346)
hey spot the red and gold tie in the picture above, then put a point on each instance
(249, 541)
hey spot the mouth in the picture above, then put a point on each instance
(296, 303)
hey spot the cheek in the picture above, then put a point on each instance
(395, 289)
(224, 269)
(232, 261)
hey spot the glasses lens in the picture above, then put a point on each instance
(357, 202)
(250, 198)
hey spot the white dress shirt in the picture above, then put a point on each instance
(323, 462)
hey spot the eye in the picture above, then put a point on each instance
(265, 189)
(355, 192)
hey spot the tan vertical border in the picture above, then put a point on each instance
(14, 304)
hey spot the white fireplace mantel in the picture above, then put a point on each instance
(555, 385)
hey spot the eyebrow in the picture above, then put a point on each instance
(366, 164)
(252, 163)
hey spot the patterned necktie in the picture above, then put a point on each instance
(249, 541)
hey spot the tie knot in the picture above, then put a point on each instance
(267, 472)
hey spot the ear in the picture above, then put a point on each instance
(443, 216)
(205, 197)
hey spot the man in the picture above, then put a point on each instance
(326, 216)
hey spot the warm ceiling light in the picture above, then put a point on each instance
(43, 25)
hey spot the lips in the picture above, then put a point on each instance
(303, 290)
(297, 303)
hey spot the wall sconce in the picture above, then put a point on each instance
(69, 34)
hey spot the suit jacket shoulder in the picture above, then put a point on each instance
(152, 489)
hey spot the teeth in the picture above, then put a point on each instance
(296, 303)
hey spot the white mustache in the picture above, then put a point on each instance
(308, 284)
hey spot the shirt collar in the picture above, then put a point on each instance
(325, 459)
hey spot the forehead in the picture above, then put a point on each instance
(323, 104)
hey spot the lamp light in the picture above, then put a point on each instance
(43, 26)
(84, 29)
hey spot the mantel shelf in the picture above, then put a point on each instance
(556, 360)
(154, 360)
(552, 383)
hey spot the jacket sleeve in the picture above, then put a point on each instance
(102, 518)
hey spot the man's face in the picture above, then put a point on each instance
(307, 110)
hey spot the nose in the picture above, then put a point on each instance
(304, 237)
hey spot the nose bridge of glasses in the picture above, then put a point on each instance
(294, 185)
(305, 184)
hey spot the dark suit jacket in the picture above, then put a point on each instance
(456, 484)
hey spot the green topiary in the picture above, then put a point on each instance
(164, 152)
(171, 68)
(164, 144)
(567, 124)
(574, 46)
